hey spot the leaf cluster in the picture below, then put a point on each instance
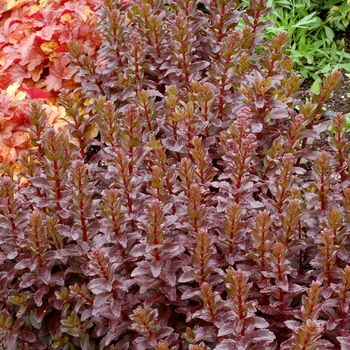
(313, 48)
(338, 13)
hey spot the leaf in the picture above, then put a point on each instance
(39, 345)
(11, 4)
(227, 328)
(278, 113)
(260, 322)
(227, 344)
(34, 92)
(203, 333)
(170, 250)
(11, 255)
(262, 336)
(316, 86)
(27, 336)
(12, 91)
(344, 342)
(99, 285)
(5, 81)
(38, 296)
(65, 231)
(329, 33)
(115, 307)
(45, 275)
(40, 182)
(292, 324)
(11, 341)
(61, 70)
(127, 93)
(306, 21)
(198, 66)
(256, 204)
(26, 263)
(172, 145)
(86, 343)
(164, 332)
(256, 127)
(138, 250)
(208, 141)
(326, 69)
(187, 276)
(27, 280)
(156, 268)
(142, 343)
(18, 73)
(156, 93)
(169, 277)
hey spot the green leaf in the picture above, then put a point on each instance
(33, 320)
(315, 88)
(329, 34)
(59, 342)
(327, 68)
(85, 342)
(71, 325)
(307, 21)
(345, 66)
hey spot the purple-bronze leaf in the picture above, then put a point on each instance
(27, 336)
(262, 336)
(156, 268)
(172, 144)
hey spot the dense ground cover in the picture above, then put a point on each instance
(168, 195)
(312, 26)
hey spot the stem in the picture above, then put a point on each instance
(318, 109)
(301, 251)
(37, 246)
(281, 308)
(57, 185)
(281, 295)
(81, 210)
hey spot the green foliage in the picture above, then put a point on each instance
(338, 15)
(312, 39)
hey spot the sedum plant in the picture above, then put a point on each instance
(202, 216)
